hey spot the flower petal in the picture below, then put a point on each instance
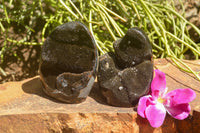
(180, 111)
(156, 114)
(158, 84)
(143, 103)
(180, 96)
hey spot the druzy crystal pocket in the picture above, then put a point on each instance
(69, 63)
(125, 75)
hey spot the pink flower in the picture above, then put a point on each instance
(154, 106)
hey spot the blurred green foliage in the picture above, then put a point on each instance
(24, 22)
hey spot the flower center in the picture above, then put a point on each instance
(161, 100)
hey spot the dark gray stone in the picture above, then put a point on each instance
(69, 63)
(126, 75)
(133, 48)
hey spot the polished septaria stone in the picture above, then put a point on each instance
(126, 75)
(69, 63)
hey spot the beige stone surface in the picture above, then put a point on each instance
(25, 108)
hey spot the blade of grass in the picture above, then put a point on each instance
(68, 9)
(90, 28)
(116, 27)
(76, 9)
(5, 12)
(113, 13)
(107, 25)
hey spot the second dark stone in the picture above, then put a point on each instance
(126, 75)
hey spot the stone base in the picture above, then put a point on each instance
(24, 107)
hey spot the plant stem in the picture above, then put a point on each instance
(68, 9)
(90, 27)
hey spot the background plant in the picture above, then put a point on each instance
(32, 22)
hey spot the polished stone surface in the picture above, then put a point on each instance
(125, 75)
(69, 63)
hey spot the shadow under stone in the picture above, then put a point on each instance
(35, 86)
